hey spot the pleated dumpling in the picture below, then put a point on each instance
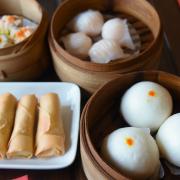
(105, 50)
(117, 29)
(77, 44)
(90, 22)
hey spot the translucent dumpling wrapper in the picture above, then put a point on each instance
(105, 51)
(12, 20)
(8, 21)
(20, 34)
(117, 29)
(4, 41)
(89, 22)
(77, 44)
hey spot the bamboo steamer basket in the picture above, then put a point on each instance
(25, 60)
(97, 122)
(142, 16)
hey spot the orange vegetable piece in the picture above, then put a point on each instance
(152, 93)
(129, 141)
(11, 19)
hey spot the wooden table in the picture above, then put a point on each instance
(170, 62)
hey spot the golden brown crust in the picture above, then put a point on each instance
(21, 143)
(50, 135)
(7, 113)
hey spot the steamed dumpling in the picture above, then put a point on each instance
(133, 151)
(146, 104)
(77, 44)
(8, 21)
(12, 20)
(168, 139)
(14, 29)
(117, 29)
(104, 51)
(4, 41)
(20, 34)
(90, 22)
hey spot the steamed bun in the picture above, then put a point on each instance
(77, 44)
(133, 151)
(90, 22)
(117, 29)
(168, 139)
(104, 51)
(146, 104)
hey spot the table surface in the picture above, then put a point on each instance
(170, 14)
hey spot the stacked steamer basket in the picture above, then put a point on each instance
(101, 116)
(24, 61)
(89, 75)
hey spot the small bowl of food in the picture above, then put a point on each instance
(127, 128)
(22, 40)
(93, 41)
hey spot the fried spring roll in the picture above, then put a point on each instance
(7, 114)
(50, 135)
(21, 144)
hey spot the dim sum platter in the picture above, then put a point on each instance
(69, 95)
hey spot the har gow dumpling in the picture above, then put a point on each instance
(77, 44)
(117, 29)
(105, 50)
(90, 22)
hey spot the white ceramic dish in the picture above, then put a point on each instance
(70, 101)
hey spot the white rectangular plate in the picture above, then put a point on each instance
(70, 103)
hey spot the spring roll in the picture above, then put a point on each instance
(21, 144)
(7, 114)
(50, 135)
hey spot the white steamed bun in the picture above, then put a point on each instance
(146, 104)
(168, 139)
(133, 151)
